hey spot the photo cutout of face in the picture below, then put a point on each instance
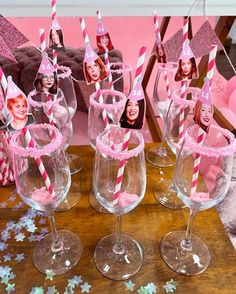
(46, 80)
(187, 67)
(103, 39)
(203, 110)
(133, 115)
(17, 108)
(56, 41)
(160, 52)
(93, 67)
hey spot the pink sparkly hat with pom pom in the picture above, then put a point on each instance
(136, 93)
(12, 89)
(205, 94)
(55, 25)
(46, 67)
(186, 53)
(101, 30)
(90, 55)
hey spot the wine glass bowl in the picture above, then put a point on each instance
(184, 252)
(119, 181)
(42, 177)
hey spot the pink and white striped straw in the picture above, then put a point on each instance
(39, 163)
(97, 85)
(3, 81)
(54, 11)
(201, 132)
(183, 84)
(156, 24)
(120, 173)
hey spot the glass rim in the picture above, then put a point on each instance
(211, 151)
(117, 154)
(124, 67)
(116, 105)
(46, 103)
(36, 152)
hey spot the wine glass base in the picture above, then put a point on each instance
(118, 266)
(188, 263)
(75, 162)
(58, 262)
(166, 194)
(161, 157)
(72, 198)
(95, 204)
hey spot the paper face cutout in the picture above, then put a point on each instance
(160, 52)
(56, 37)
(203, 111)
(17, 108)
(103, 39)
(133, 115)
(46, 80)
(93, 67)
(187, 69)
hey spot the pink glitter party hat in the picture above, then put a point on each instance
(90, 55)
(205, 94)
(136, 93)
(55, 25)
(101, 30)
(186, 53)
(46, 67)
(12, 89)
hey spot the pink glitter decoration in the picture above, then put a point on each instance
(125, 199)
(10, 34)
(173, 47)
(200, 196)
(203, 39)
(5, 51)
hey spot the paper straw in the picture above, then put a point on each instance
(120, 173)
(84, 32)
(99, 17)
(42, 40)
(201, 132)
(3, 81)
(183, 84)
(53, 5)
(39, 163)
(156, 25)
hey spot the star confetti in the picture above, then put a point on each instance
(32, 238)
(69, 291)
(42, 221)
(142, 290)
(77, 280)
(170, 286)
(20, 257)
(3, 246)
(10, 288)
(52, 290)
(151, 288)
(85, 287)
(20, 237)
(49, 275)
(37, 290)
(3, 204)
(7, 257)
(130, 285)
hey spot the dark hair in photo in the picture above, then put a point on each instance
(39, 86)
(53, 45)
(160, 58)
(138, 122)
(192, 75)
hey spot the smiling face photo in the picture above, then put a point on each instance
(203, 115)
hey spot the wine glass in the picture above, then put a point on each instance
(55, 111)
(165, 190)
(119, 182)
(162, 156)
(67, 87)
(104, 113)
(42, 177)
(185, 252)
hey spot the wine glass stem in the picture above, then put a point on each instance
(57, 244)
(118, 248)
(186, 244)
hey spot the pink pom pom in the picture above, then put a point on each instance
(230, 87)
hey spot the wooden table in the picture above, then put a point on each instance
(148, 223)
